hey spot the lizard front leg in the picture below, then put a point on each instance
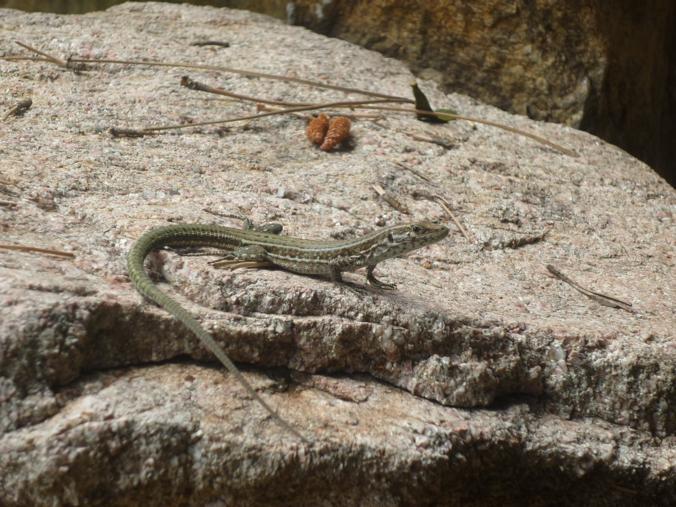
(373, 281)
(337, 277)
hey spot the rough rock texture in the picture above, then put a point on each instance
(607, 67)
(481, 380)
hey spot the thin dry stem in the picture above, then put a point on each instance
(19, 108)
(201, 87)
(596, 296)
(355, 116)
(48, 57)
(514, 130)
(365, 104)
(317, 84)
(33, 249)
(444, 204)
(310, 107)
(414, 171)
(390, 199)
(221, 68)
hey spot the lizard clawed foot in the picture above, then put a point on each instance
(225, 263)
(374, 282)
(252, 256)
(383, 285)
(355, 288)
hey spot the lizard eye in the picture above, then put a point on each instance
(417, 229)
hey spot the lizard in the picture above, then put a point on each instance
(255, 247)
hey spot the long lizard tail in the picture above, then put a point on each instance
(152, 240)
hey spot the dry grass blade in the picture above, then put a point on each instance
(390, 199)
(420, 194)
(46, 56)
(201, 87)
(8, 204)
(599, 298)
(414, 172)
(489, 123)
(352, 116)
(384, 97)
(310, 107)
(122, 132)
(221, 68)
(33, 249)
(366, 104)
(19, 108)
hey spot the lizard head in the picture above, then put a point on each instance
(402, 239)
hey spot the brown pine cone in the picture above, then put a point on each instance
(339, 131)
(316, 129)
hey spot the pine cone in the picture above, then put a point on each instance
(316, 129)
(339, 131)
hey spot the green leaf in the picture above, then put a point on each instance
(423, 104)
(446, 117)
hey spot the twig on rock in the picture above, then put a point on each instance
(414, 171)
(211, 43)
(47, 56)
(8, 204)
(70, 64)
(421, 194)
(250, 73)
(19, 108)
(442, 114)
(309, 107)
(390, 199)
(33, 249)
(599, 298)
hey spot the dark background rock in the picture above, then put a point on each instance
(606, 67)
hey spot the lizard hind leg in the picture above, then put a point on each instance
(269, 227)
(252, 256)
(248, 225)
